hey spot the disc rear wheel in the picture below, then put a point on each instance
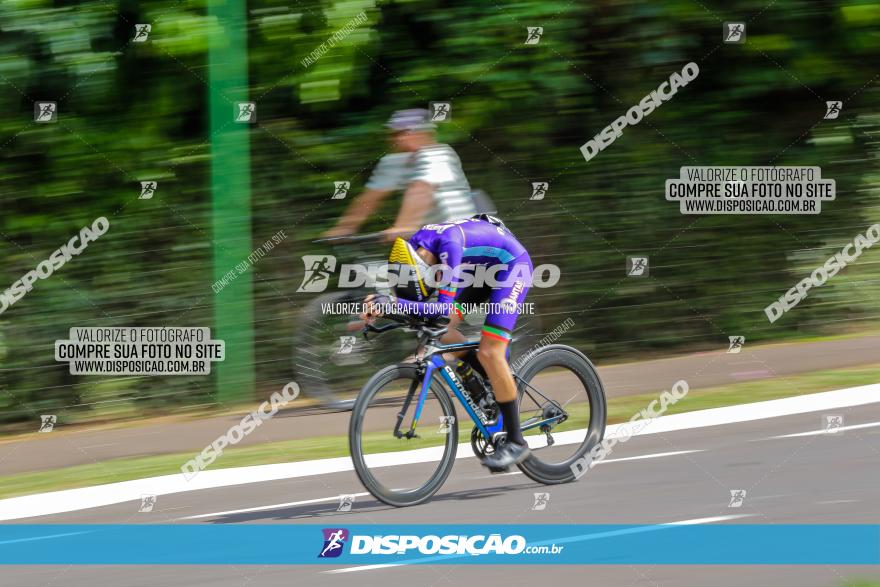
(562, 412)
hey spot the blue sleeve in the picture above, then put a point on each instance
(449, 252)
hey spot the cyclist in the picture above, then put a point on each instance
(430, 174)
(479, 241)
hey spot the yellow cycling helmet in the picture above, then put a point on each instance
(410, 271)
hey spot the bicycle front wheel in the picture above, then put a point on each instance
(407, 467)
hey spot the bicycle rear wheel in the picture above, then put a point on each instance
(408, 470)
(559, 379)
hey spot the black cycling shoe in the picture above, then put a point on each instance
(497, 469)
(505, 455)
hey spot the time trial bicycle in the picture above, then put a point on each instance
(404, 434)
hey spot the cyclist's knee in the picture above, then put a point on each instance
(492, 352)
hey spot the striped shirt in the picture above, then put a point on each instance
(437, 165)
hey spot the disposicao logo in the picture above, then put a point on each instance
(334, 540)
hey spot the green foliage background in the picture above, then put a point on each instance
(137, 111)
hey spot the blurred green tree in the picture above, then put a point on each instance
(129, 112)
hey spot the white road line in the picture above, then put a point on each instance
(836, 431)
(655, 455)
(263, 508)
(563, 540)
(837, 501)
(70, 500)
(270, 507)
(497, 475)
(366, 568)
(710, 520)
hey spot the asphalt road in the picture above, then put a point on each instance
(817, 478)
(82, 445)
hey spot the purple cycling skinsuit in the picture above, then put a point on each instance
(476, 242)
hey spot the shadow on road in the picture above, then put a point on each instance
(328, 510)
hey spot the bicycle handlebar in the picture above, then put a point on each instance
(435, 327)
(353, 238)
(369, 328)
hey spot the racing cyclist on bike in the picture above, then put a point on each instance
(479, 241)
(430, 174)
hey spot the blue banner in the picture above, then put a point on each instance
(728, 544)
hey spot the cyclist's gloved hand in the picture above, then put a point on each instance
(377, 306)
(372, 308)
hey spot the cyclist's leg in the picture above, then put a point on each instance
(467, 296)
(496, 334)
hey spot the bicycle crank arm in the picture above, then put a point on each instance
(546, 430)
